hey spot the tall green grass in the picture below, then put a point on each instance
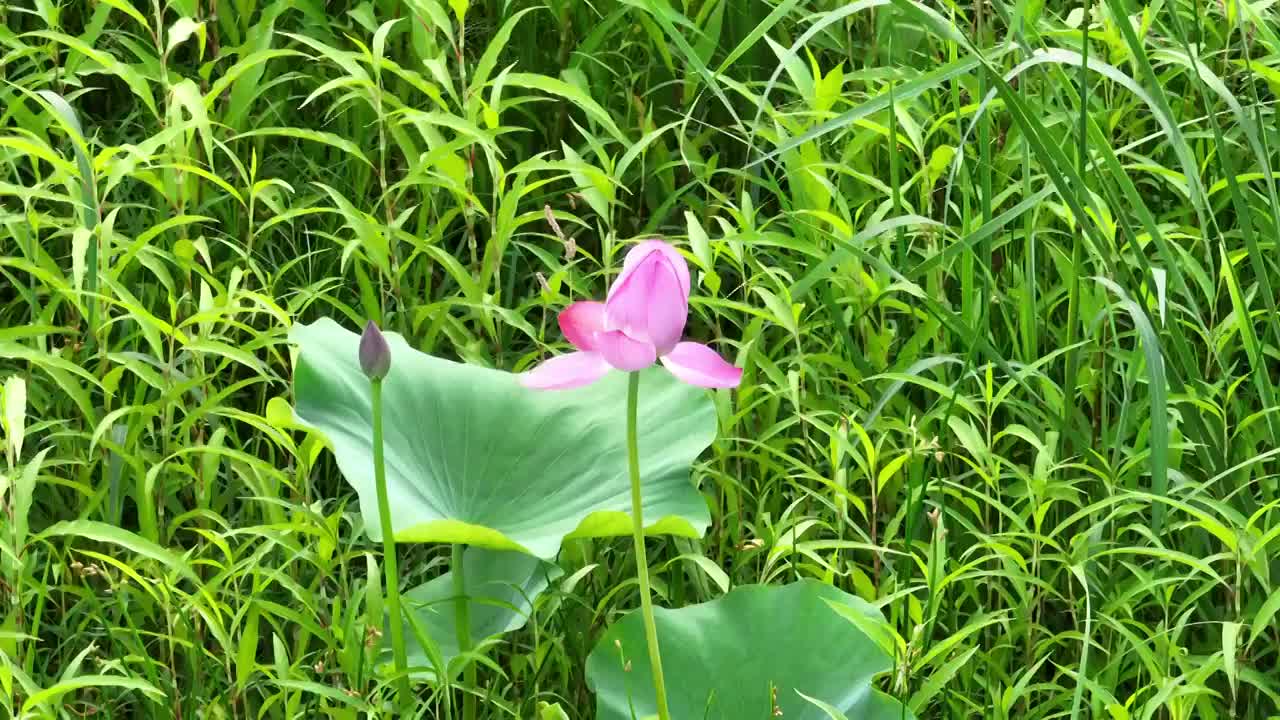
(1002, 277)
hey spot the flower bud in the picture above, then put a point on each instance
(375, 354)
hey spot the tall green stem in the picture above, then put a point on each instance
(392, 575)
(642, 562)
(462, 624)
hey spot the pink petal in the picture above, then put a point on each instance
(566, 371)
(625, 353)
(646, 248)
(697, 364)
(668, 309)
(649, 305)
(581, 321)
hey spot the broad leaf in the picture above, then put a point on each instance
(473, 457)
(501, 587)
(756, 653)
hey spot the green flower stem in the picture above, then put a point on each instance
(642, 562)
(462, 623)
(392, 575)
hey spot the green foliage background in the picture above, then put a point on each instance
(1002, 277)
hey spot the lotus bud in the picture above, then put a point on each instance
(375, 354)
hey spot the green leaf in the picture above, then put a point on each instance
(91, 681)
(128, 9)
(182, 29)
(310, 135)
(1263, 618)
(668, 18)
(325, 691)
(795, 68)
(501, 586)
(102, 532)
(593, 183)
(939, 678)
(827, 708)
(473, 457)
(45, 360)
(15, 415)
(279, 413)
(560, 88)
(551, 711)
(70, 122)
(726, 657)
(776, 15)
(130, 76)
(459, 8)
(186, 95)
(24, 491)
(247, 653)
(380, 44)
(900, 93)
(700, 244)
(480, 75)
(781, 310)
(1230, 638)
(1158, 391)
(80, 240)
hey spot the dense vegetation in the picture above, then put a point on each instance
(1002, 278)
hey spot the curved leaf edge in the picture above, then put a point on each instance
(598, 524)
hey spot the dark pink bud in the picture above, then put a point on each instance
(375, 354)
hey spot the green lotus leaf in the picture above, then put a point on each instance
(501, 587)
(473, 457)
(728, 659)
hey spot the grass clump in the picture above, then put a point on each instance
(1002, 279)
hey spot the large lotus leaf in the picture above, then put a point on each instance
(724, 658)
(501, 587)
(473, 457)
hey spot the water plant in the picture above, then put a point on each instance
(641, 322)
(1000, 279)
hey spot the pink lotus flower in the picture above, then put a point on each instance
(639, 323)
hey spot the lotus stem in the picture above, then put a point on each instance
(392, 575)
(462, 624)
(642, 562)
